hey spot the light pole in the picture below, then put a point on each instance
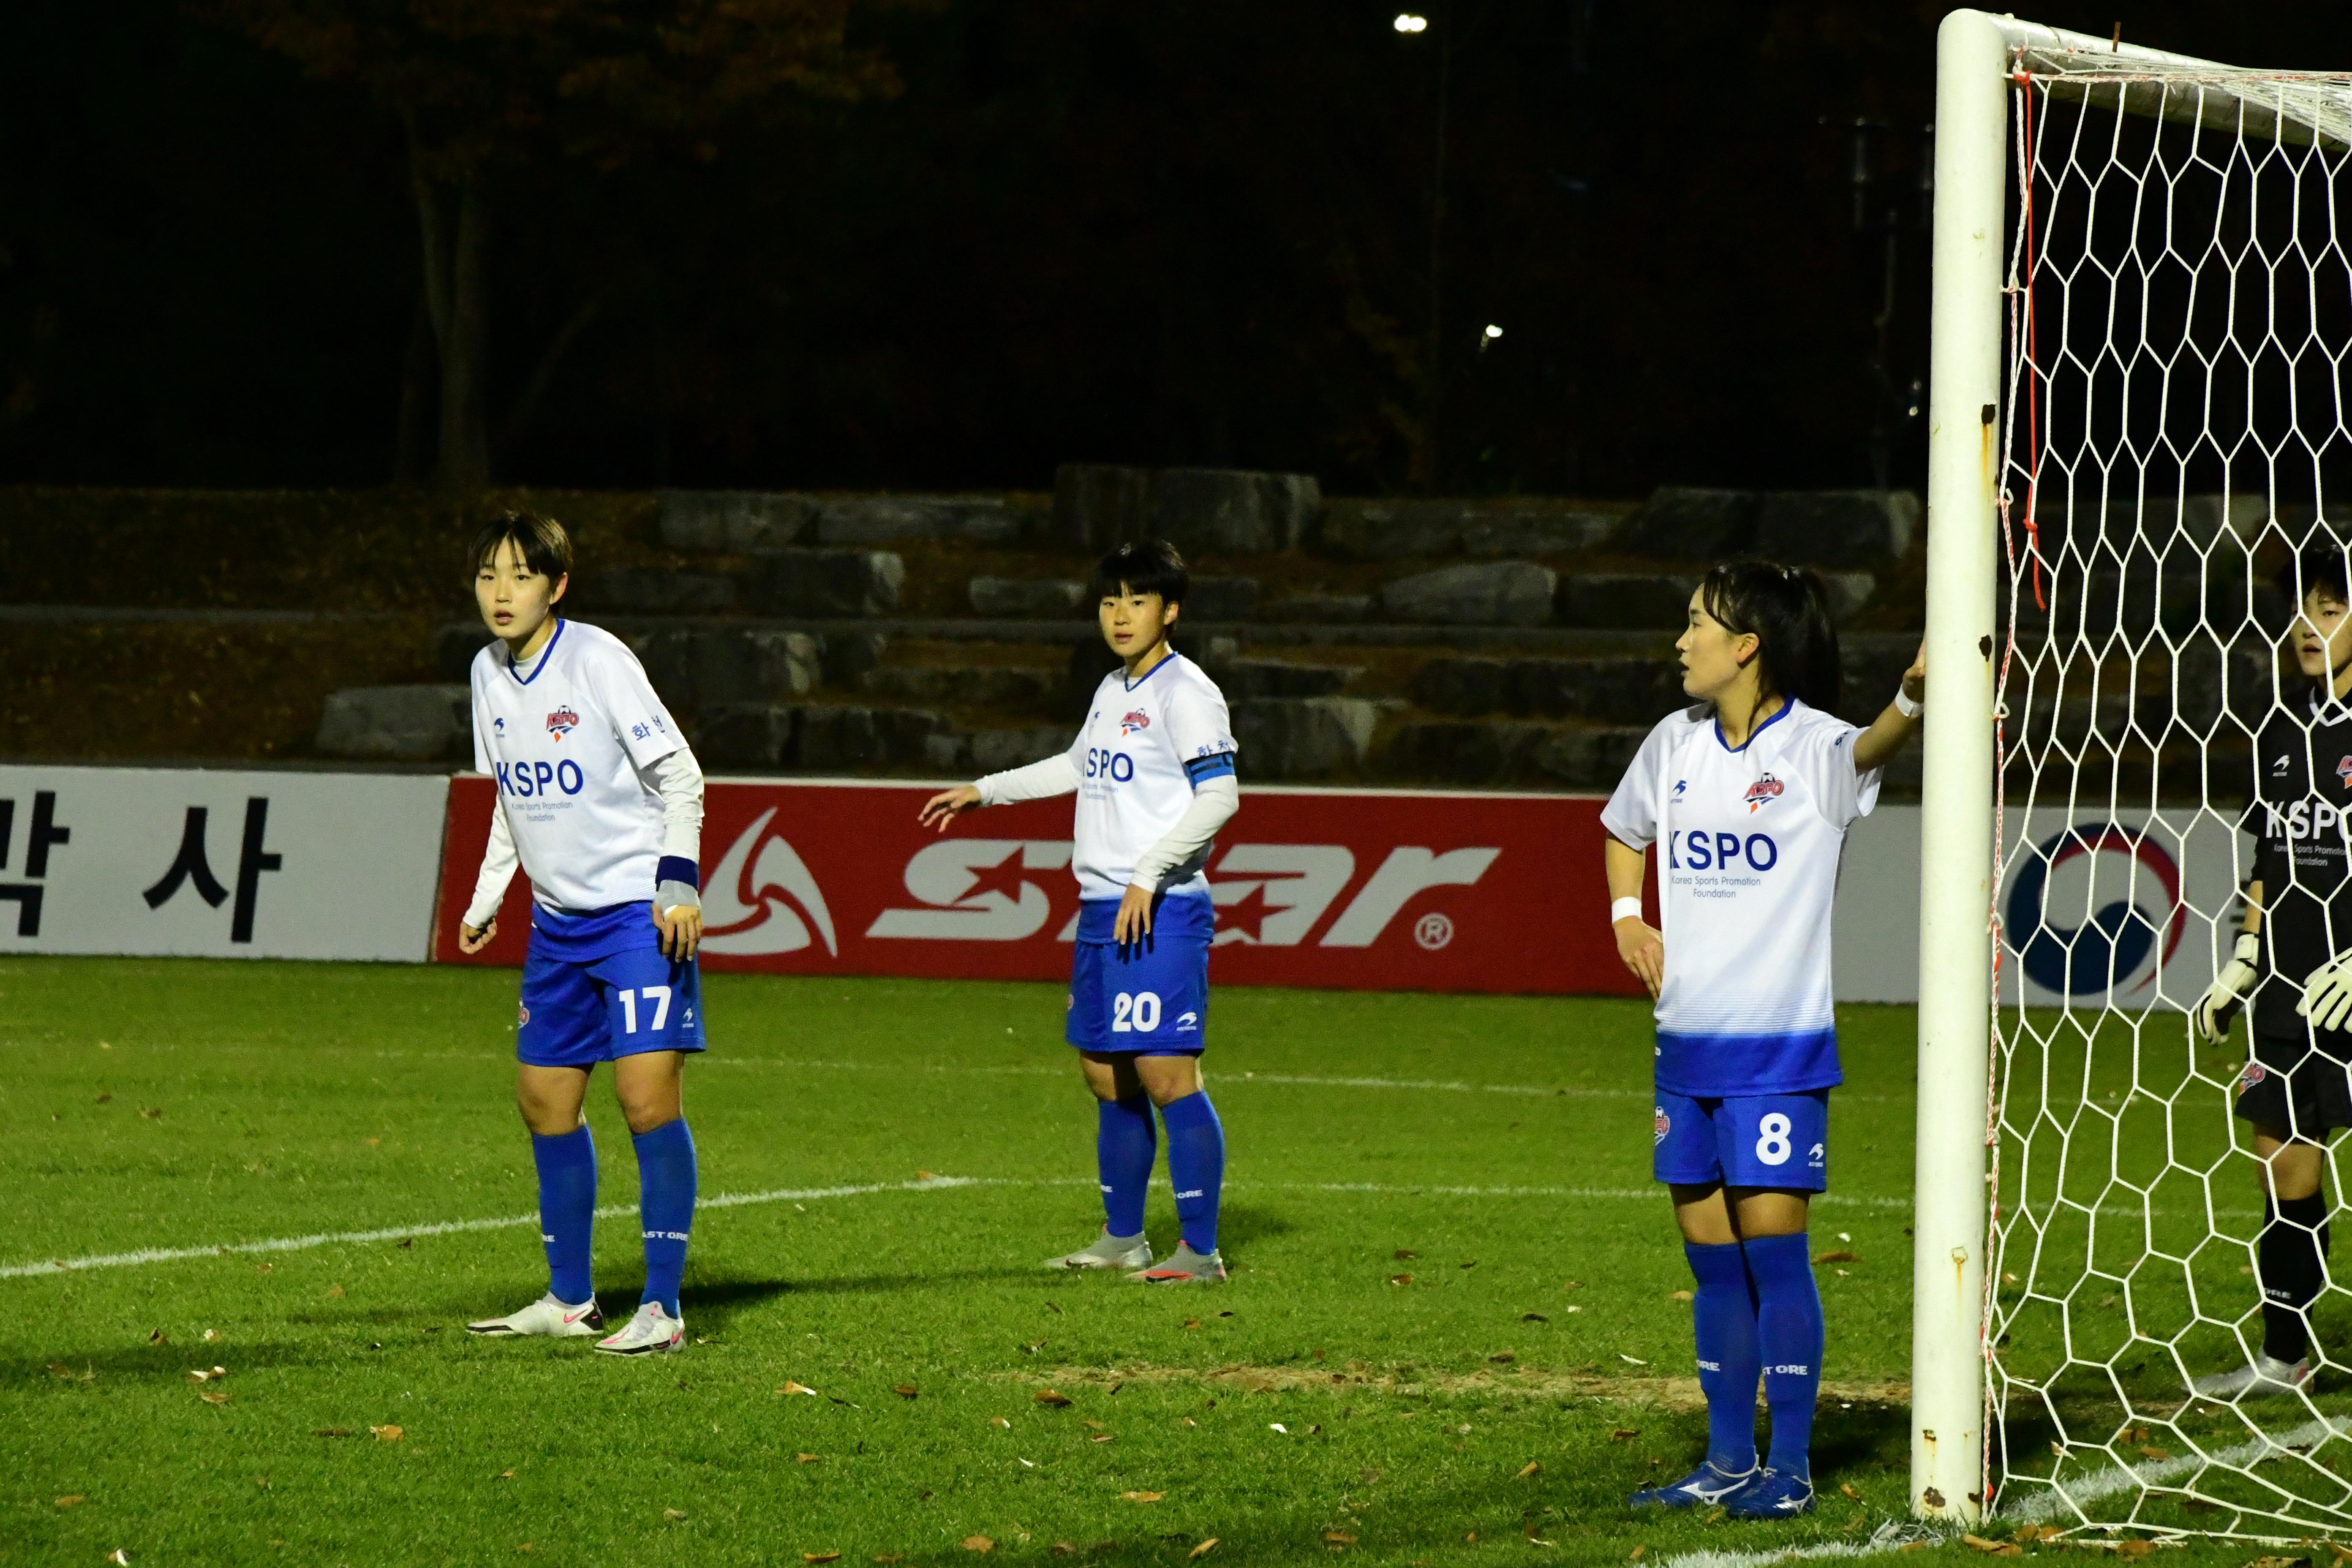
(1412, 23)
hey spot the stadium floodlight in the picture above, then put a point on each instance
(1407, 21)
(1493, 333)
(2142, 322)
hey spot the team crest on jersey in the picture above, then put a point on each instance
(1763, 791)
(2344, 772)
(522, 1015)
(499, 725)
(1660, 1125)
(2255, 1072)
(562, 723)
(1136, 721)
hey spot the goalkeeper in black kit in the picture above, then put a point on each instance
(2293, 959)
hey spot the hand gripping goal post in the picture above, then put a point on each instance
(2141, 396)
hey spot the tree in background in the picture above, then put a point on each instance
(491, 92)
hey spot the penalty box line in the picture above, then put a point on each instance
(802, 1195)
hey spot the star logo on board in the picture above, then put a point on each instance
(1246, 914)
(1005, 878)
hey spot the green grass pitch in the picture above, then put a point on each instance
(1450, 1335)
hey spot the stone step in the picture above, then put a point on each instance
(405, 723)
(1866, 529)
(1415, 529)
(753, 523)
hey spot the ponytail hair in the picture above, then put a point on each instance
(1788, 608)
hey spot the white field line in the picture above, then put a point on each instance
(2044, 1503)
(802, 1195)
(1892, 1536)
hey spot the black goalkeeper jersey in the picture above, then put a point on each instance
(2301, 816)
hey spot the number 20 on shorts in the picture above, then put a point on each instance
(1135, 1013)
(656, 994)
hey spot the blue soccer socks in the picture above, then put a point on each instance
(666, 1207)
(1125, 1145)
(1723, 1319)
(1788, 1335)
(567, 1210)
(1196, 1166)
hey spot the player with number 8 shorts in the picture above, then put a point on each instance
(599, 802)
(1747, 795)
(1154, 772)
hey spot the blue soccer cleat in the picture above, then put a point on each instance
(1772, 1496)
(1703, 1488)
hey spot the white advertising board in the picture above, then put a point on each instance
(2131, 912)
(219, 864)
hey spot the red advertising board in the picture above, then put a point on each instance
(1349, 889)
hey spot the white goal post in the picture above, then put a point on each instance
(2098, 537)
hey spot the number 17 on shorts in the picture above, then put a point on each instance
(1762, 1140)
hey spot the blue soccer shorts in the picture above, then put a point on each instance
(628, 1003)
(1761, 1141)
(1148, 999)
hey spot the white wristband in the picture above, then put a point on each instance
(1905, 706)
(1625, 910)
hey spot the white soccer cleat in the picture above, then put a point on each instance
(2267, 1378)
(652, 1332)
(1184, 1266)
(1108, 1251)
(547, 1318)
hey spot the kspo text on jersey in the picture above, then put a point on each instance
(1699, 849)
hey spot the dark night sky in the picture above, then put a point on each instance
(1181, 233)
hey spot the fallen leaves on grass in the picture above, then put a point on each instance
(1533, 1318)
(118, 1555)
(673, 1514)
(1624, 1434)
(1405, 1252)
(820, 1556)
(201, 1376)
(1840, 1256)
(1400, 1278)
(791, 1387)
(1533, 1466)
(905, 1391)
(1639, 1548)
(1052, 1396)
(505, 1475)
(925, 1176)
(1065, 1548)
(59, 1369)
(105, 1095)
(158, 1337)
(1635, 1360)
(1503, 1356)
(2153, 1453)
(1847, 1487)
(211, 1335)
(69, 1499)
(386, 1433)
(1993, 1548)
(803, 1458)
(1201, 1551)
(334, 1291)
(1000, 1421)
(1141, 1497)
(376, 1143)
(1337, 1538)
(1574, 1309)
(152, 1112)
(1277, 1426)
(978, 1543)
(1099, 1437)
(1192, 1322)
(1678, 1295)
(210, 1397)
(2134, 1548)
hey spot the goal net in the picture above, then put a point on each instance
(2173, 429)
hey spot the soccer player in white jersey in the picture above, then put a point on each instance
(1748, 794)
(600, 800)
(1154, 772)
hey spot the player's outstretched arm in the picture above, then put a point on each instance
(1038, 781)
(1890, 731)
(480, 922)
(1640, 945)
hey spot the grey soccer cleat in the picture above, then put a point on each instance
(547, 1316)
(1108, 1251)
(2266, 1378)
(1184, 1267)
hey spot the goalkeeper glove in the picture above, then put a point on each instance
(2231, 988)
(2327, 994)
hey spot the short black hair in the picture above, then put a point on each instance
(540, 539)
(2317, 565)
(1143, 566)
(1788, 608)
